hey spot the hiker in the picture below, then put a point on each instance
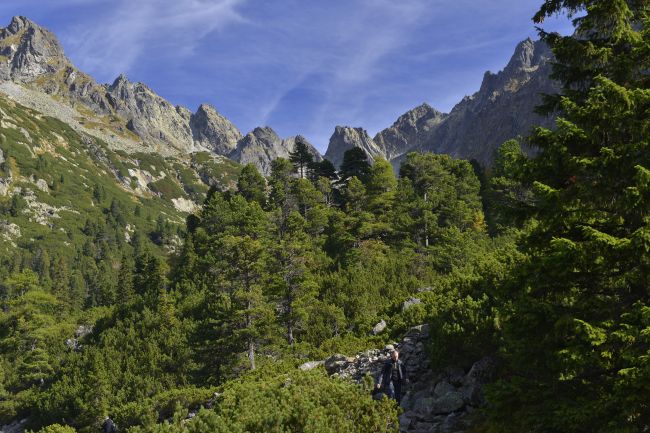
(109, 426)
(393, 377)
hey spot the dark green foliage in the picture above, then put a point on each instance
(576, 311)
(301, 157)
(296, 402)
(323, 168)
(252, 185)
(355, 164)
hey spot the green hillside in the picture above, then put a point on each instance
(521, 291)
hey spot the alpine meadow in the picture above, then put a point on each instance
(482, 270)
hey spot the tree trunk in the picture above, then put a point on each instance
(251, 353)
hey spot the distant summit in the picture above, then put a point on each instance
(29, 51)
(502, 109)
(345, 138)
(132, 117)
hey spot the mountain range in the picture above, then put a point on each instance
(131, 117)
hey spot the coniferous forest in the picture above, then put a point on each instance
(541, 261)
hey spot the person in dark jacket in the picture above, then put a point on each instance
(109, 426)
(393, 377)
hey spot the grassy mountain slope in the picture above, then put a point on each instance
(54, 179)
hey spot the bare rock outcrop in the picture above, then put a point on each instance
(345, 138)
(262, 145)
(411, 130)
(213, 131)
(435, 401)
(503, 108)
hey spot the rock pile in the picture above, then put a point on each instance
(435, 401)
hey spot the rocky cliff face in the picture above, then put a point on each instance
(32, 56)
(345, 138)
(411, 130)
(503, 108)
(213, 131)
(28, 51)
(151, 117)
(262, 145)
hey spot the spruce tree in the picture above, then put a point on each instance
(294, 285)
(252, 185)
(301, 157)
(576, 313)
(355, 164)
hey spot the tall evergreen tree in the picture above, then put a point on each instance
(576, 335)
(125, 290)
(294, 284)
(301, 157)
(252, 185)
(355, 164)
(323, 168)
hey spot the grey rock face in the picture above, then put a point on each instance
(32, 56)
(213, 131)
(410, 302)
(346, 138)
(28, 51)
(151, 117)
(262, 145)
(379, 327)
(411, 130)
(502, 109)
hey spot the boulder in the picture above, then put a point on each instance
(443, 388)
(310, 365)
(335, 363)
(379, 327)
(450, 402)
(482, 371)
(17, 426)
(42, 185)
(410, 302)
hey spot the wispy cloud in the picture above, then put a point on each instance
(111, 42)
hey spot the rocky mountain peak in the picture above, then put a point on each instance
(345, 138)
(18, 23)
(213, 131)
(28, 51)
(410, 131)
(121, 81)
(527, 54)
(503, 107)
(262, 145)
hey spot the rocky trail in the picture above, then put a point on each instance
(435, 401)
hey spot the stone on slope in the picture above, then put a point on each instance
(379, 327)
(310, 365)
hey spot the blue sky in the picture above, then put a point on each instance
(299, 66)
